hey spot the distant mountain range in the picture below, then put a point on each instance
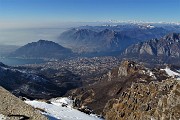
(166, 49)
(84, 40)
(109, 38)
(129, 41)
(41, 49)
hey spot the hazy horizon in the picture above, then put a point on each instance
(23, 21)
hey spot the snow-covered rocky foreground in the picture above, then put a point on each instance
(56, 111)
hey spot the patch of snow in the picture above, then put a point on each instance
(60, 101)
(56, 111)
(151, 74)
(172, 73)
(150, 26)
(2, 117)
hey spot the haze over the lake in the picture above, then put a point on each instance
(23, 21)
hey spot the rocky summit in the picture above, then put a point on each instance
(153, 101)
(113, 83)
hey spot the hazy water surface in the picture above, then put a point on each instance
(18, 61)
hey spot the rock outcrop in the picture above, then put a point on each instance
(112, 84)
(12, 108)
(153, 101)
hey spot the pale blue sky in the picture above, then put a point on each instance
(14, 13)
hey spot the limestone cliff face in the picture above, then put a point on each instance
(146, 49)
(155, 51)
(153, 101)
(167, 46)
(125, 69)
(12, 108)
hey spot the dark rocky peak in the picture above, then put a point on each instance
(80, 35)
(43, 43)
(2, 65)
(107, 31)
(152, 41)
(84, 31)
(172, 37)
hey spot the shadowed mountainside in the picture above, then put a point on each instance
(108, 38)
(42, 49)
(44, 84)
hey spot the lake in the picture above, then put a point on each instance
(19, 61)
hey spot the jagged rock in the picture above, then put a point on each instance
(113, 83)
(153, 101)
(163, 50)
(12, 108)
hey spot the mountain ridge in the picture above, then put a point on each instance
(109, 38)
(166, 49)
(42, 49)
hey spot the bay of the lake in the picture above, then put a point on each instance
(20, 61)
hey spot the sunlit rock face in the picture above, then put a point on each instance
(156, 100)
(167, 46)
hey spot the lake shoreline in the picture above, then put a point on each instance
(12, 61)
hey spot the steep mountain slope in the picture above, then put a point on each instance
(166, 49)
(112, 84)
(84, 40)
(39, 84)
(42, 49)
(12, 108)
(153, 101)
(108, 38)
